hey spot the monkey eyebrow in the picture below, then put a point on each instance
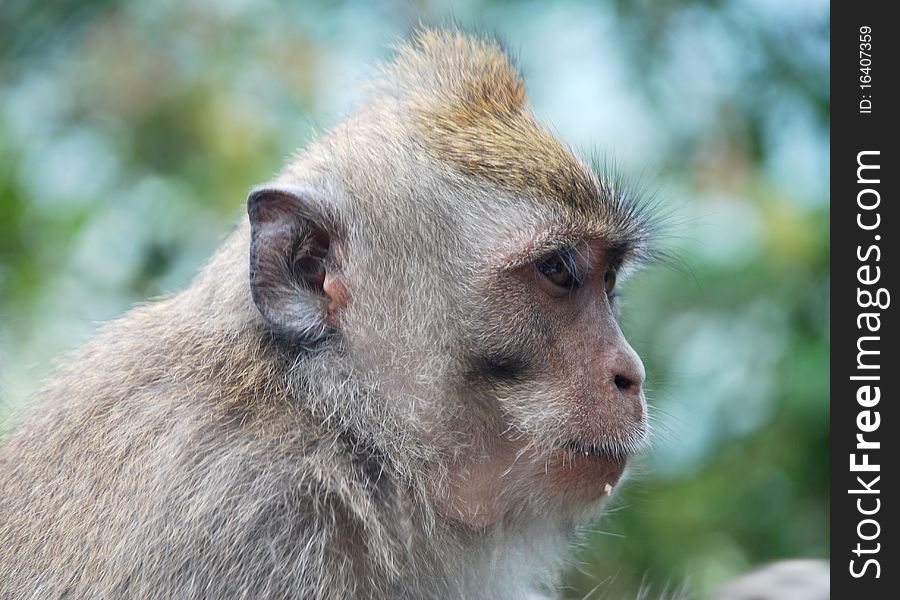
(540, 245)
(558, 240)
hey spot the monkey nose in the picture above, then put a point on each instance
(623, 382)
(628, 373)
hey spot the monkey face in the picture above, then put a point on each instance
(550, 358)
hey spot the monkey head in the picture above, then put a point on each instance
(445, 271)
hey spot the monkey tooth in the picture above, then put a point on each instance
(607, 489)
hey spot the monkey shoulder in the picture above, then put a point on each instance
(150, 469)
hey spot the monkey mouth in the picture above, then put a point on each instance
(592, 466)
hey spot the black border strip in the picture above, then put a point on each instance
(864, 266)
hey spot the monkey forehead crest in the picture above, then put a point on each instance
(469, 107)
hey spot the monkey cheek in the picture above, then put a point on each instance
(473, 499)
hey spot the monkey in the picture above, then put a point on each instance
(400, 376)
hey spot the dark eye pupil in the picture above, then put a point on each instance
(557, 270)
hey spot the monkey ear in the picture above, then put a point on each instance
(294, 280)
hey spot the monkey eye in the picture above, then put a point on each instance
(560, 269)
(609, 280)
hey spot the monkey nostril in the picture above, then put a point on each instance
(623, 383)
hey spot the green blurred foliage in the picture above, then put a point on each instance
(130, 132)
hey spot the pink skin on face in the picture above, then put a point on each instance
(598, 374)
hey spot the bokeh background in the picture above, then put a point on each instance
(130, 132)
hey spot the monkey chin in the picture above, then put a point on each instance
(585, 474)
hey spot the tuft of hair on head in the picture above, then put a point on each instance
(439, 66)
(468, 108)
